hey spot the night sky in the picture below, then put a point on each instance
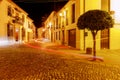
(40, 8)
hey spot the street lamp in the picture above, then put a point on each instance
(62, 14)
(112, 13)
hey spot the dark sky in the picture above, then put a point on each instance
(39, 8)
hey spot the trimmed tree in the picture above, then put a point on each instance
(95, 20)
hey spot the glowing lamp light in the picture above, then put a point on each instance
(47, 25)
(60, 14)
(16, 30)
(64, 13)
(43, 30)
(50, 24)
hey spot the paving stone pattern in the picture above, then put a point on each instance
(24, 63)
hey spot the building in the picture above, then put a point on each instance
(49, 31)
(61, 26)
(15, 25)
(41, 32)
(63, 29)
(30, 30)
(106, 39)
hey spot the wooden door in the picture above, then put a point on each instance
(72, 37)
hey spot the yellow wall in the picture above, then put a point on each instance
(89, 40)
(90, 5)
(115, 37)
(3, 21)
(70, 25)
(80, 9)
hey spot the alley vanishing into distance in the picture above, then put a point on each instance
(45, 61)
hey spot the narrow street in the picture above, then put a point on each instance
(39, 62)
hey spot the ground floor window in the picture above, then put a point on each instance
(23, 33)
(105, 39)
(10, 29)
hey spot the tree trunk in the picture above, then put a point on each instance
(94, 44)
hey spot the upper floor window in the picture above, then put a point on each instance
(23, 18)
(9, 11)
(57, 23)
(62, 23)
(29, 26)
(73, 13)
(66, 17)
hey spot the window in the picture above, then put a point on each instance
(105, 39)
(73, 13)
(54, 25)
(9, 11)
(23, 18)
(29, 26)
(60, 22)
(9, 30)
(56, 35)
(23, 32)
(66, 17)
(57, 23)
(59, 35)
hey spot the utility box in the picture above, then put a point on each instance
(89, 50)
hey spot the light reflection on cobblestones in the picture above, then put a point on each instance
(29, 64)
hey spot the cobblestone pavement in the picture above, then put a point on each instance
(20, 62)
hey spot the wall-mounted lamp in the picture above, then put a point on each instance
(112, 13)
(50, 24)
(62, 14)
(43, 30)
(16, 30)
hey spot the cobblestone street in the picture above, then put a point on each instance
(20, 62)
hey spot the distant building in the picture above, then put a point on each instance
(61, 26)
(15, 25)
(41, 32)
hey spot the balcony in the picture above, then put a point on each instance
(18, 20)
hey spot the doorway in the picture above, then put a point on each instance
(72, 37)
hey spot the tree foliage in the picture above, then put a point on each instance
(95, 20)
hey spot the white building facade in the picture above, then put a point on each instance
(14, 23)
